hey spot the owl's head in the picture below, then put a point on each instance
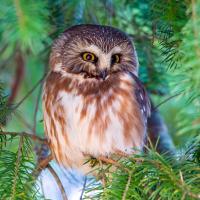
(93, 51)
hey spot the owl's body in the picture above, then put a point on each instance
(86, 112)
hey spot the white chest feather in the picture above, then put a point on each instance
(95, 124)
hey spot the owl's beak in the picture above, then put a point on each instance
(103, 74)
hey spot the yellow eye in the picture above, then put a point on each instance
(115, 58)
(89, 57)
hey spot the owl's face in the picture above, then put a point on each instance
(93, 51)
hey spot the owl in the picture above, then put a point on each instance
(93, 102)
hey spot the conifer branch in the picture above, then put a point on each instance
(17, 165)
(111, 162)
(19, 13)
(127, 186)
(194, 26)
(31, 136)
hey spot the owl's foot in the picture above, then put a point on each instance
(121, 153)
(109, 161)
(113, 163)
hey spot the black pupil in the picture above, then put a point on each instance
(114, 59)
(88, 57)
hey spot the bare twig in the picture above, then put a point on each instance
(23, 120)
(42, 164)
(84, 186)
(33, 137)
(4, 63)
(36, 110)
(30, 92)
(58, 181)
(167, 99)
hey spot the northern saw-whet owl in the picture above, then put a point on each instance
(93, 101)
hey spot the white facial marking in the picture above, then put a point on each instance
(57, 67)
(104, 59)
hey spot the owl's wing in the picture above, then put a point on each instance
(142, 98)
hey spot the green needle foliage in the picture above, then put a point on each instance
(167, 39)
(153, 176)
(4, 112)
(4, 108)
(16, 168)
(24, 24)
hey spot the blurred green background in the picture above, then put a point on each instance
(167, 39)
(160, 30)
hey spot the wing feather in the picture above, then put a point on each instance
(142, 98)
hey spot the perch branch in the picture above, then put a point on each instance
(42, 164)
(33, 137)
(112, 162)
(58, 181)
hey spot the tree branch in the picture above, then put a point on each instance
(33, 137)
(42, 164)
(19, 74)
(112, 162)
(17, 166)
(167, 99)
(36, 110)
(30, 92)
(84, 186)
(127, 186)
(58, 181)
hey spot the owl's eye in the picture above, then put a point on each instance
(115, 58)
(89, 57)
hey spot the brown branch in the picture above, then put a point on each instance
(58, 181)
(112, 162)
(23, 120)
(33, 137)
(42, 164)
(5, 62)
(130, 157)
(30, 92)
(84, 186)
(167, 99)
(36, 110)
(19, 74)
